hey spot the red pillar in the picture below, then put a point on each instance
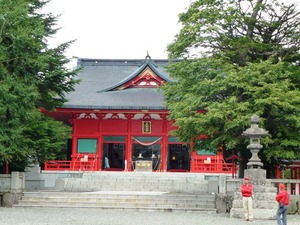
(298, 179)
(6, 168)
(99, 153)
(163, 157)
(293, 177)
(74, 156)
(233, 169)
(193, 161)
(164, 143)
(100, 144)
(128, 154)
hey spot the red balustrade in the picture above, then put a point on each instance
(70, 165)
(199, 163)
(211, 164)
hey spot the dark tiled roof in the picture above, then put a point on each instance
(98, 77)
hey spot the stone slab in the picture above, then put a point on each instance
(265, 214)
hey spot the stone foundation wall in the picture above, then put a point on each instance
(11, 188)
(224, 201)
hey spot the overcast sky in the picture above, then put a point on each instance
(118, 29)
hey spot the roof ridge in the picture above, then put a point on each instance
(146, 63)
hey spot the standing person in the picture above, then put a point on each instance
(247, 190)
(106, 163)
(283, 197)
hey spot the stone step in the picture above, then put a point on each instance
(126, 200)
(136, 179)
(144, 181)
(157, 209)
(128, 191)
(157, 200)
(111, 194)
(175, 188)
(119, 195)
(141, 174)
(132, 183)
(118, 204)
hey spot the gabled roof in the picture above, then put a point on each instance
(148, 64)
(116, 84)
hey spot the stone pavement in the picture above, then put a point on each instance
(92, 216)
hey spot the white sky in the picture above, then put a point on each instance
(117, 29)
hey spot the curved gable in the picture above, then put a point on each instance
(146, 76)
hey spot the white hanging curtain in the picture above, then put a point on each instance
(146, 143)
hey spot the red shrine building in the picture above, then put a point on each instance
(120, 123)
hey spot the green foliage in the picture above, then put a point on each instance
(31, 76)
(246, 62)
(242, 30)
(43, 139)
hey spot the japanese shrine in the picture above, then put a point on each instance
(120, 123)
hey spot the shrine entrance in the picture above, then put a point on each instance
(113, 156)
(178, 157)
(146, 153)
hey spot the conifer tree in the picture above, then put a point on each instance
(32, 75)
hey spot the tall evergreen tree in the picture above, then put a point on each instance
(32, 75)
(240, 58)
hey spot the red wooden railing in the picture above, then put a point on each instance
(199, 164)
(57, 165)
(69, 165)
(294, 169)
(211, 164)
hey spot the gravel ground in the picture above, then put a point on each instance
(92, 216)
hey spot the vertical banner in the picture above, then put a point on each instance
(146, 127)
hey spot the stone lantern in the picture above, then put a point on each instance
(254, 133)
(264, 204)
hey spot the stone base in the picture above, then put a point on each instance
(33, 179)
(264, 193)
(265, 214)
(10, 198)
(258, 204)
(223, 203)
(257, 176)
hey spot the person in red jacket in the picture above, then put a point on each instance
(247, 190)
(284, 197)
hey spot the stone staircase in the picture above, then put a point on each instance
(129, 191)
(137, 201)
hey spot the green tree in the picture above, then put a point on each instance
(32, 75)
(240, 58)
(43, 139)
(243, 31)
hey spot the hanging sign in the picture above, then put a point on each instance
(146, 127)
